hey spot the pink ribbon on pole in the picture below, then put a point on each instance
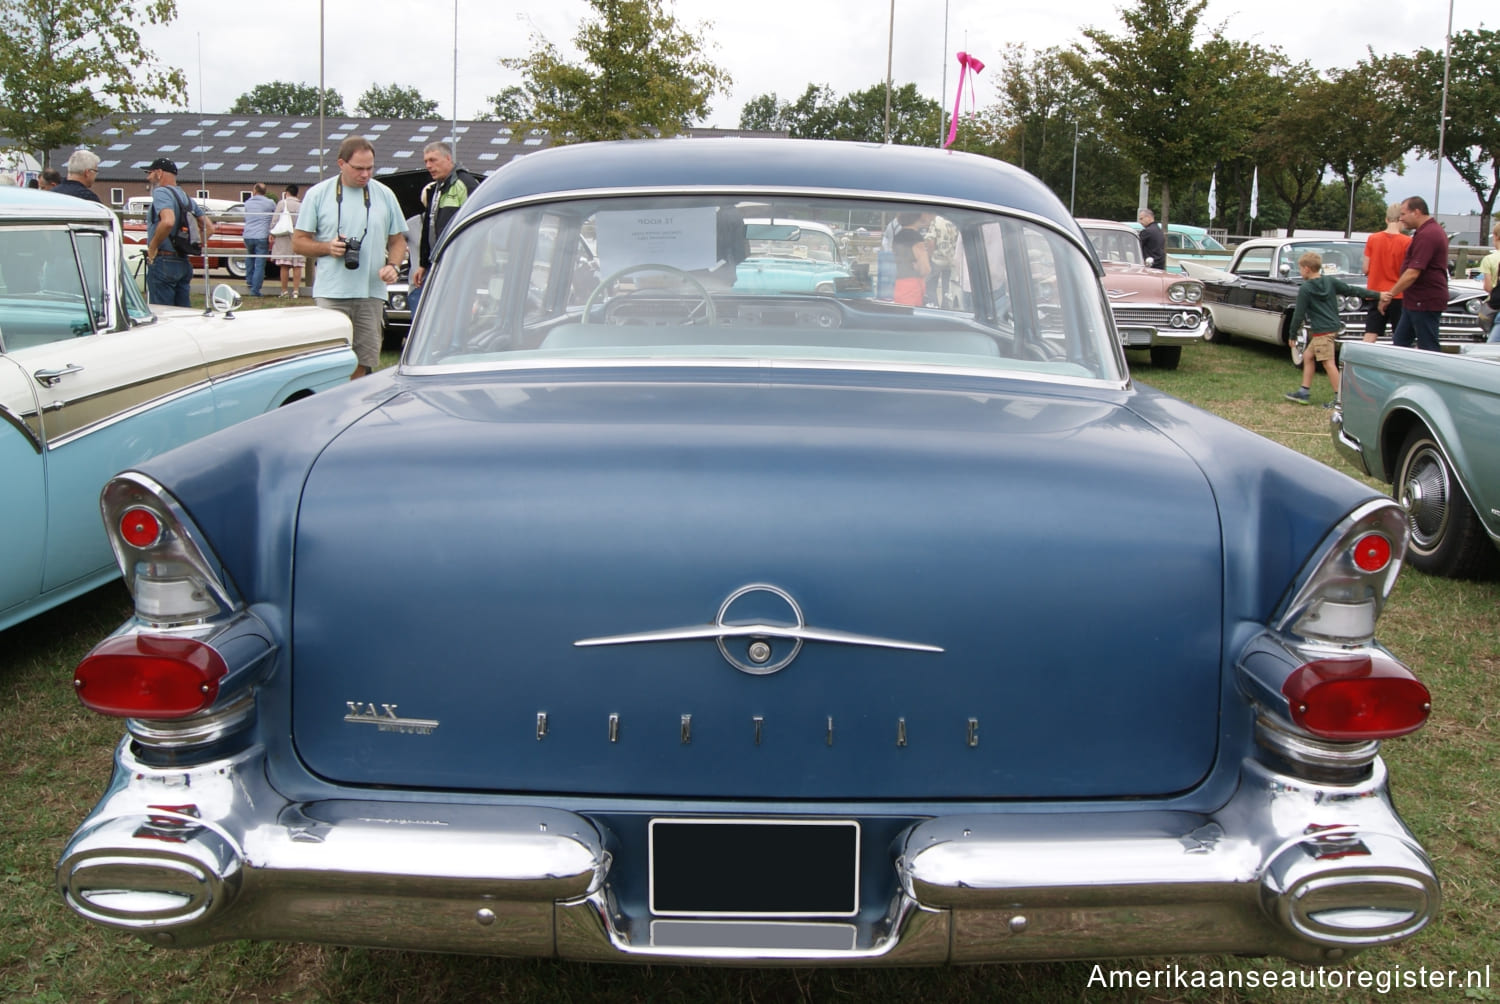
(966, 63)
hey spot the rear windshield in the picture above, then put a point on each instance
(848, 281)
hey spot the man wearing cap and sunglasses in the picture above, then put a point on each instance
(169, 272)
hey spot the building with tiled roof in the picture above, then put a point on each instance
(222, 156)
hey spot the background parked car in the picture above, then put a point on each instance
(1154, 309)
(92, 380)
(744, 626)
(1424, 422)
(1256, 297)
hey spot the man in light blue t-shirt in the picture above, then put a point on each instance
(351, 227)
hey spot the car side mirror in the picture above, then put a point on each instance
(224, 299)
(1285, 269)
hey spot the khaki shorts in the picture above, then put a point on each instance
(1320, 347)
(365, 315)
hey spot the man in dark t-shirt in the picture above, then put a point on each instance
(1423, 283)
(83, 167)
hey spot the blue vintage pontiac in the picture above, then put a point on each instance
(639, 617)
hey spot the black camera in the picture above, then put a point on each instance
(351, 252)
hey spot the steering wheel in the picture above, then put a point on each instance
(709, 314)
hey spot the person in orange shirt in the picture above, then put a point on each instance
(1384, 253)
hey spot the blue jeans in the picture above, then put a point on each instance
(1420, 326)
(255, 265)
(169, 280)
(1495, 331)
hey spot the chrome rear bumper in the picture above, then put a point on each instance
(191, 857)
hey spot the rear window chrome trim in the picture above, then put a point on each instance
(761, 363)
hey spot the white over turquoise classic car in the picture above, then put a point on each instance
(92, 380)
(1425, 423)
(794, 256)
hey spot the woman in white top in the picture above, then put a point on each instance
(281, 246)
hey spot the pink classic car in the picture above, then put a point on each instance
(1154, 310)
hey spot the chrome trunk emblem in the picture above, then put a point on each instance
(764, 631)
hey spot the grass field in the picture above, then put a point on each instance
(55, 758)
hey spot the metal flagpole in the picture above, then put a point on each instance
(322, 135)
(1437, 186)
(890, 48)
(943, 94)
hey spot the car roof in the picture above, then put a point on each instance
(32, 204)
(759, 165)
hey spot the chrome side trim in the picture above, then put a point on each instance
(251, 362)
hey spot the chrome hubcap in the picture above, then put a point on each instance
(1424, 496)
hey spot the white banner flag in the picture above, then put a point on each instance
(1255, 194)
(1213, 196)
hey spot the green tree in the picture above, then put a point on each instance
(510, 105)
(642, 74)
(66, 64)
(1044, 116)
(1364, 135)
(1289, 149)
(1161, 97)
(281, 97)
(1471, 142)
(395, 102)
(812, 116)
(859, 116)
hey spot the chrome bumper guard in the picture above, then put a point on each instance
(213, 853)
(1347, 447)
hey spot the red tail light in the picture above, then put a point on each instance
(143, 676)
(1358, 698)
(1372, 553)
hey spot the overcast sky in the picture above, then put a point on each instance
(766, 45)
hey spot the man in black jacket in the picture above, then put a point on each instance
(1153, 241)
(441, 199)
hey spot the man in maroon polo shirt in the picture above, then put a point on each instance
(1423, 280)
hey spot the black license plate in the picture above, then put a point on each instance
(754, 868)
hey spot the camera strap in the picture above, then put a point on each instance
(338, 198)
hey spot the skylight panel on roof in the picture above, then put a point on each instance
(120, 146)
(300, 125)
(380, 126)
(240, 123)
(223, 132)
(144, 132)
(272, 124)
(108, 163)
(234, 149)
(288, 135)
(255, 133)
(213, 165)
(111, 131)
(499, 141)
(245, 167)
(337, 136)
(280, 168)
(268, 150)
(208, 122)
(192, 132)
(489, 156)
(168, 147)
(161, 122)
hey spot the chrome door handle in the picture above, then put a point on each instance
(50, 378)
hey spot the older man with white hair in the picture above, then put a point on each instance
(83, 168)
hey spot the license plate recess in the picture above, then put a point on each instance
(754, 868)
